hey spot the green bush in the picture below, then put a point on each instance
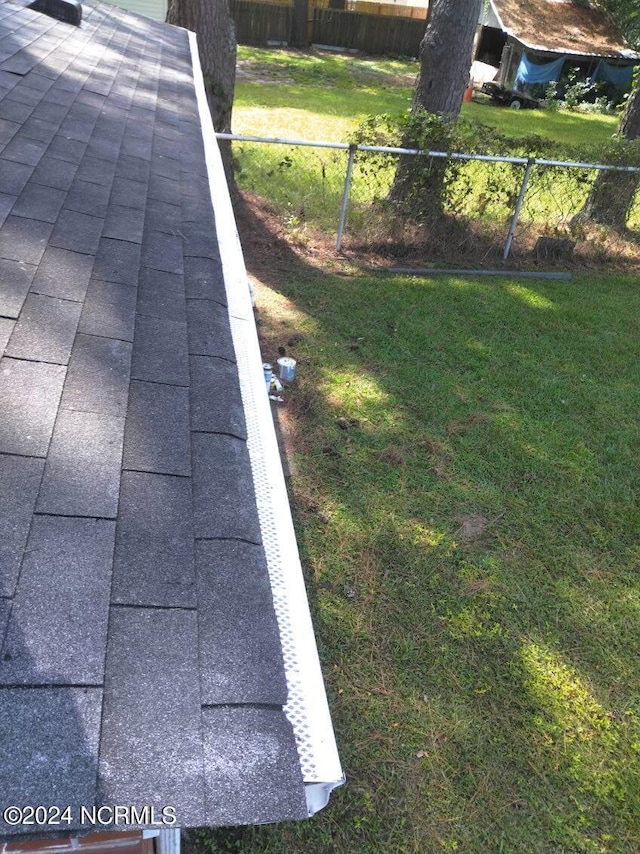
(473, 188)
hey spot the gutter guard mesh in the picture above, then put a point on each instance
(307, 708)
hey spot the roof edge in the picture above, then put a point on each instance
(307, 708)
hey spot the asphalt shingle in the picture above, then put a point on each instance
(6, 328)
(117, 261)
(130, 556)
(154, 557)
(39, 202)
(240, 652)
(63, 274)
(49, 747)
(53, 172)
(151, 750)
(45, 330)
(19, 484)
(109, 310)
(14, 177)
(23, 239)
(215, 398)
(15, 281)
(209, 330)
(5, 609)
(78, 554)
(82, 472)
(223, 492)
(161, 295)
(203, 279)
(88, 198)
(157, 433)
(252, 763)
(29, 395)
(162, 251)
(78, 232)
(124, 224)
(160, 351)
(98, 376)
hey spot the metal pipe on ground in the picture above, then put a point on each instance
(511, 274)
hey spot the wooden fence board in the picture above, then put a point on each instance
(258, 23)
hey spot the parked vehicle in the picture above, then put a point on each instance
(504, 96)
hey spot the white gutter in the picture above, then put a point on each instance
(307, 708)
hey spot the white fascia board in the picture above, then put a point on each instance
(307, 708)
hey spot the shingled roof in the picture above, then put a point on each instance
(143, 603)
(562, 26)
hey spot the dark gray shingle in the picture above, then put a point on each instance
(15, 281)
(19, 484)
(124, 224)
(160, 352)
(223, 493)
(49, 747)
(154, 560)
(109, 310)
(251, 763)
(30, 394)
(209, 330)
(117, 261)
(61, 638)
(39, 202)
(204, 280)
(162, 251)
(23, 239)
(6, 328)
(79, 232)
(151, 751)
(82, 473)
(157, 433)
(53, 172)
(216, 402)
(98, 376)
(45, 330)
(240, 652)
(14, 177)
(63, 274)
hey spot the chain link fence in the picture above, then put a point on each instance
(490, 206)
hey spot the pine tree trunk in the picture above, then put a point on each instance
(613, 193)
(211, 21)
(445, 60)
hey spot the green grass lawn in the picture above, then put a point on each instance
(475, 591)
(465, 499)
(324, 97)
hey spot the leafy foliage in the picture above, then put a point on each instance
(471, 188)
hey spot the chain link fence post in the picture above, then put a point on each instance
(516, 213)
(345, 196)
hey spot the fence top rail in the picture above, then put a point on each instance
(453, 155)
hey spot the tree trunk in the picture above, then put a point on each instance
(211, 21)
(613, 193)
(445, 60)
(445, 55)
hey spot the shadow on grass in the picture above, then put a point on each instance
(475, 590)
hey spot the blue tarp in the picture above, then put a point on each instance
(620, 75)
(529, 72)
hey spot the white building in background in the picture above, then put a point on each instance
(155, 9)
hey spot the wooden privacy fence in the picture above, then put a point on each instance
(368, 33)
(260, 23)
